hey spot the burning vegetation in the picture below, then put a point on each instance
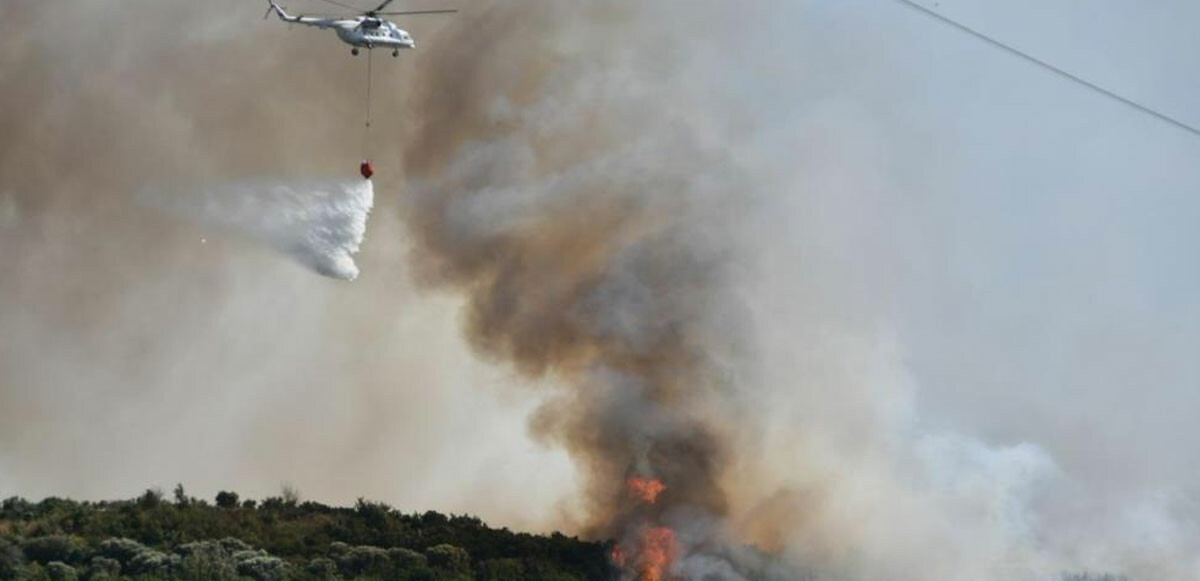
(649, 551)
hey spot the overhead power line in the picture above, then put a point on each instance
(1045, 65)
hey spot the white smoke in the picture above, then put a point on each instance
(320, 224)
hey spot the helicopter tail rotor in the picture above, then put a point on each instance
(277, 9)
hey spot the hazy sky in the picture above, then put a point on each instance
(1045, 286)
(949, 244)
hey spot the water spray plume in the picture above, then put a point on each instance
(320, 224)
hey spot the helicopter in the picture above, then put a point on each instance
(367, 30)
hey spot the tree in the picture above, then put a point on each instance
(291, 496)
(181, 498)
(152, 498)
(227, 499)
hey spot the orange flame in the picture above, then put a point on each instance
(618, 556)
(657, 552)
(646, 489)
(649, 556)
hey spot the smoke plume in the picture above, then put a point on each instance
(590, 196)
(586, 223)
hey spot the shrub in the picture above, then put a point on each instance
(11, 559)
(337, 549)
(449, 558)
(409, 565)
(232, 545)
(54, 548)
(206, 561)
(104, 569)
(260, 566)
(322, 568)
(407, 559)
(122, 549)
(502, 570)
(151, 562)
(59, 571)
(365, 561)
(33, 572)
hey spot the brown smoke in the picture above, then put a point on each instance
(586, 224)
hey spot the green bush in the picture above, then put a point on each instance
(260, 566)
(50, 548)
(206, 561)
(122, 550)
(59, 571)
(502, 570)
(449, 562)
(11, 559)
(322, 569)
(409, 565)
(151, 562)
(365, 561)
(104, 569)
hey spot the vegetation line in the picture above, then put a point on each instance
(151, 538)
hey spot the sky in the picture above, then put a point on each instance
(1021, 244)
(970, 284)
(1058, 228)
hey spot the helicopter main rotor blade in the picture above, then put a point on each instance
(381, 6)
(411, 12)
(336, 3)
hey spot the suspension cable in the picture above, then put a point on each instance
(367, 127)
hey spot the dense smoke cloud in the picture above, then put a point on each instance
(580, 200)
(589, 225)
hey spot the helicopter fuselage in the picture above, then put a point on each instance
(360, 32)
(370, 33)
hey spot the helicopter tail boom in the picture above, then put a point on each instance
(278, 10)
